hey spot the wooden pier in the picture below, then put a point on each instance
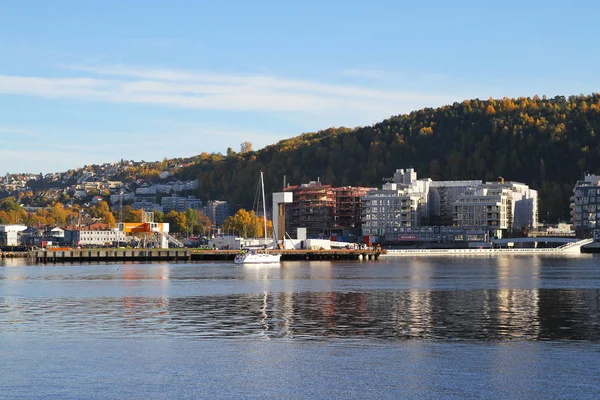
(93, 255)
(13, 254)
(78, 255)
(292, 255)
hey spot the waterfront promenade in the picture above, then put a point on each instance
(566, 249)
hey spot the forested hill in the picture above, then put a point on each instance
(545, 143)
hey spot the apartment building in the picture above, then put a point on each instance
(441, 198)
(471, 204)
(217, 211)
(180, 204)
(387, 210)
(484, 208)
(146, 205)
(585, 206)
(524, 203)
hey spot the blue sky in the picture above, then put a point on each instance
(86, 82)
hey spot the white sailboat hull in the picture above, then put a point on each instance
(258, 258)
(253, 257)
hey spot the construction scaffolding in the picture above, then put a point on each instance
(347, 214)
(312, 208)
(323, 209)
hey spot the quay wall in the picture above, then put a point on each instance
(91, 255)
(76, 255)
(13, 254)
(292, 255)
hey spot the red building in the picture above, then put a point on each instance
(324, 210)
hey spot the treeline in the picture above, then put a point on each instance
(547, 143)
(11, 212)
(56, 214)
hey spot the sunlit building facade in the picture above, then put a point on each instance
(585, 205)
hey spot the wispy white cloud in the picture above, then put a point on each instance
(21, 153)
(11, 131)
(367, 73)
(216, 91)
(19, 160)
(289, 107)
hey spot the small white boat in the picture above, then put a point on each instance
(253, 256)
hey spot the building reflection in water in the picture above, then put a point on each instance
(500, 299)
(286, 302)
(515, 302)
(420, 302)
(504, 312)
(263, 274)
(137, 306)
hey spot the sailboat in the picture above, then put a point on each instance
(252, 256)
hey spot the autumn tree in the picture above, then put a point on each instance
(59, 214)
(204, 223)
(131, 215)
(9, 204)
(177, 221)
(245, 147)
(159, 216)
(246, 224)
(102, 211)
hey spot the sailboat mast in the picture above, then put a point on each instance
(262, 184)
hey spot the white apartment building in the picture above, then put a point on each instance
(436, 197)
(484, 208)
(524, 203)
(189, 185)
(387, 210)
(146, 190)
(180, 204)
(412, 202)
(163, 188)
(183, 186)
(146, 205)
(585, 205)
(115, 198)
(441, 198)
(497, 206)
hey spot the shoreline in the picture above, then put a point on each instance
(475, 252)
(186, 254)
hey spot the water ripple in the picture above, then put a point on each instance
(547, 314)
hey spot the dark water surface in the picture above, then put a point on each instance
(464, 327)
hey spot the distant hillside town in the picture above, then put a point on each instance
(91, 184)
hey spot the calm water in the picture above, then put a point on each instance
(501, 327)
